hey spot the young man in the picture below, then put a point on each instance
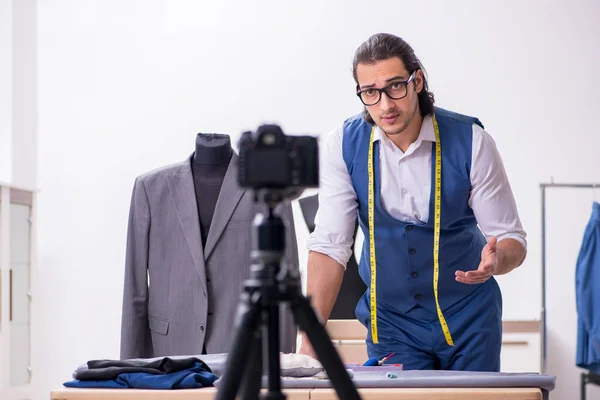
(437, 228)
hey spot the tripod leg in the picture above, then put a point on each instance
(321, 342)
(252, 380)
(271, 343)
(238, 356)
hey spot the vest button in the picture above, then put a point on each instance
(414, 274)
(417, 296)
(411, 251)
(409, 228)
(201, 328)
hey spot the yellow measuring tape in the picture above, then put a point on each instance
(436, 239)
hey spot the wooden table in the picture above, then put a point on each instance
(141, 394)
(436, 394)
(306, 394)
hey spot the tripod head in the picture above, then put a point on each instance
(269, 227)
(269, 244)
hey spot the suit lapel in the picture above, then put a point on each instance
(229, 197)
(181, 185)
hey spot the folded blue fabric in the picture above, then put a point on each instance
(191, 378)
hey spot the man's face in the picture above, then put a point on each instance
(392, 116)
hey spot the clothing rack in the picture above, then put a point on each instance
(587, 378)
(543, 187)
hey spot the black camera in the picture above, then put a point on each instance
(269, 159)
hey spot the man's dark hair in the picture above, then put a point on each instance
(383, 46)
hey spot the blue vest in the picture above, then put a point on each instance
(404, 251)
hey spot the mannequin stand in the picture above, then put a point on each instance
(259, 305)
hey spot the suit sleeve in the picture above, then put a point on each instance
(135, 332)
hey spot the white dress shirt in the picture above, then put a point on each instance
(406, 187)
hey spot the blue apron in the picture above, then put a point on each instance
(407, 319)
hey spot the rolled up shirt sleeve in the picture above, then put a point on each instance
(336, 217)
(492, 199)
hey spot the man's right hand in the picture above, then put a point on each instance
(306, 348)
(324, 281)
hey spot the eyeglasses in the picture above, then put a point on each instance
(395, 91)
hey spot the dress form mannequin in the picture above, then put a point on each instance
(189, 233)
(209, 165)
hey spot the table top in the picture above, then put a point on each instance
(306, 394)
(436, 394)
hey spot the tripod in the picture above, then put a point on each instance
(266, 288)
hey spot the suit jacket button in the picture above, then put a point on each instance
(202, 328)
(412, 251)
(409, 227)
(417, 296)
(414, 274)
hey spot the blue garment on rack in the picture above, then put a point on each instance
(587, 291)
(196, 377)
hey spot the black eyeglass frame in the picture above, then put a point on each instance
(385, 90)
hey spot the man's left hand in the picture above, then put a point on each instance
(487, 266)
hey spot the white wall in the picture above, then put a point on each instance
(124, 86)
(5, 90)
(24, 157)
(18, 93)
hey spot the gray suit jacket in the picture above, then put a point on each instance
(179, 297)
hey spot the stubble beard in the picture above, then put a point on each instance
(405, 125)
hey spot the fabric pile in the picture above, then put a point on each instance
(160, 373)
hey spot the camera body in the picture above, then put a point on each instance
(270, 159)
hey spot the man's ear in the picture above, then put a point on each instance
(419, 80)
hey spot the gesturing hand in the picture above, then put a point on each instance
(487, 266)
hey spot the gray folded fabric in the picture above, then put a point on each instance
(216, 362)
